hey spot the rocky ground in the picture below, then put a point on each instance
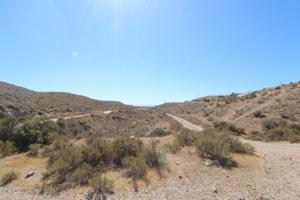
(274, 173)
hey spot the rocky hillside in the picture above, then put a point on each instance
(18, 101)
(244, 110)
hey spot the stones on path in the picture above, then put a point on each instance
(29, 174)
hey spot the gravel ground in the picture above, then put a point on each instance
(276, 177)
(273, 174)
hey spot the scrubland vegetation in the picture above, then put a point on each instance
(222, 126)
(22, 134)
(278, 130)
(214, 145)
(71, 166)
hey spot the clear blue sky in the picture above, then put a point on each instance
(149, 51)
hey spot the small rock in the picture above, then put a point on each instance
(29, 174)
(209, 163)
(214, 189)
(192, 151)
(180, 177)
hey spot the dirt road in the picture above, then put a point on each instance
(186, 123)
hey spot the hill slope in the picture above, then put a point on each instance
(17, 101)
(244, 110)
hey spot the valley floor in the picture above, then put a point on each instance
(274, 173)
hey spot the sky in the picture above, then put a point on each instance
(147, 52)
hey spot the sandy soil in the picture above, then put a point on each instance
(274, 173)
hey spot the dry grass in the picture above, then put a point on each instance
(247, 161)
(22, 164)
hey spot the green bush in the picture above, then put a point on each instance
(7, 148)
(34, 131)
(7, 126)
(24, 132)
(8, 178)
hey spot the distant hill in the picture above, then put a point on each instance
(244, 110)
(18, 101)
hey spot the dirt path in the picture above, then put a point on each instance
(71, 117)
(186, 123)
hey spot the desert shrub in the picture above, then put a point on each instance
(213, 148)
(8, 178)
(293, 138)
(278, 88)
(288, 117)
(73, 127)
(34, 131)
(175, 147)
(23, 132)
(154, 158)
(158, 132)
(62, 162)
(273, 124)
(253, 95)
(259, 114)
(34, 149)
(70, 166)
(124, 146)
(100, 185)
(218, 147)
(236, 130)
(187, 137)
(7, 126)
(237, 147)
(222, 126)
(106, 149)
(7, 148)
(84, 124)
(81, 175)
(136, 167)
(280, 130)
(255, 135)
